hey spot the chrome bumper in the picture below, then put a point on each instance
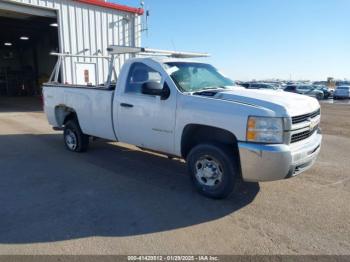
(261, 163)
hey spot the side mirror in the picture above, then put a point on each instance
(156, 89)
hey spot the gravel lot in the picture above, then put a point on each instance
(119, 200)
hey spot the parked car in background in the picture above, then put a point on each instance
(342, 92)
(342, 83)
(326, 91)
(277, 85)
(305, 90)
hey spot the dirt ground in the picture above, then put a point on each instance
(336, 119)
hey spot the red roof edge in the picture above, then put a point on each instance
(118, 7)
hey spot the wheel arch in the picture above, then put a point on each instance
(64, 113)
(194, 134)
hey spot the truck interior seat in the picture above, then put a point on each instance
(139, 77)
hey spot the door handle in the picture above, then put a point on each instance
(126, 105)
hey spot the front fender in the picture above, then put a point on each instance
(226, 115)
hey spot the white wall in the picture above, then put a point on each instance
(85, 29)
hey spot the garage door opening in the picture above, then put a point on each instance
(26, 41)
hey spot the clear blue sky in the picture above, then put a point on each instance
(255, 39)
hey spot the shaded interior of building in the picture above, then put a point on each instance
(26, 42)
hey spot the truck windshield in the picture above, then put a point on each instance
(195, 77)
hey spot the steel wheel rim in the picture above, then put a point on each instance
(208, 171)
(71, 139)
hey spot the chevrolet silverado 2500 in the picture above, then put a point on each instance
(190, 110)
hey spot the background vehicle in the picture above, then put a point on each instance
(342, 92)
(327, 93)
(189, 110)
(305, 90)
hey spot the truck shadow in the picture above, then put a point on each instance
(49, 194)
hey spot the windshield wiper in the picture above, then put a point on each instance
(209, 89)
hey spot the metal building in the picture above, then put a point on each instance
(31, 29)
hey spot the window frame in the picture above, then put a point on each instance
(131, 71)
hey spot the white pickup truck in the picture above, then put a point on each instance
(188, 109)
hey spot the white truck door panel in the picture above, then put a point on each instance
(143, 120)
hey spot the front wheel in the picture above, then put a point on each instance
(74, 138)
(213, 169)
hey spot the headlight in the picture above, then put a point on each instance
(265, 130)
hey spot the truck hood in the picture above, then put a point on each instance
(289, 104)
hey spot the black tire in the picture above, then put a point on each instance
(228, 167)
(72, 133)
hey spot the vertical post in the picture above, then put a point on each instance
(58, 68)
(110, 71)
(52, 76)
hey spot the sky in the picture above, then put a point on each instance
(256, 39)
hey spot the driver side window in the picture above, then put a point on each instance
(140, 74)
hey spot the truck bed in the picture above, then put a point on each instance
(93, 105)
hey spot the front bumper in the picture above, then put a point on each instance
(261, 163)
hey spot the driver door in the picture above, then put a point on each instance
(145, 120)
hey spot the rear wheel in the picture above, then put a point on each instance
(74, 138)
(213, 169)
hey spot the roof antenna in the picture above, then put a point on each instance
(144, 26)
(173, 44)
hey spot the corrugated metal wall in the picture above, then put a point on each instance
(88, 30)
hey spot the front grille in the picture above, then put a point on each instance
(303, 135)
(303, 118)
